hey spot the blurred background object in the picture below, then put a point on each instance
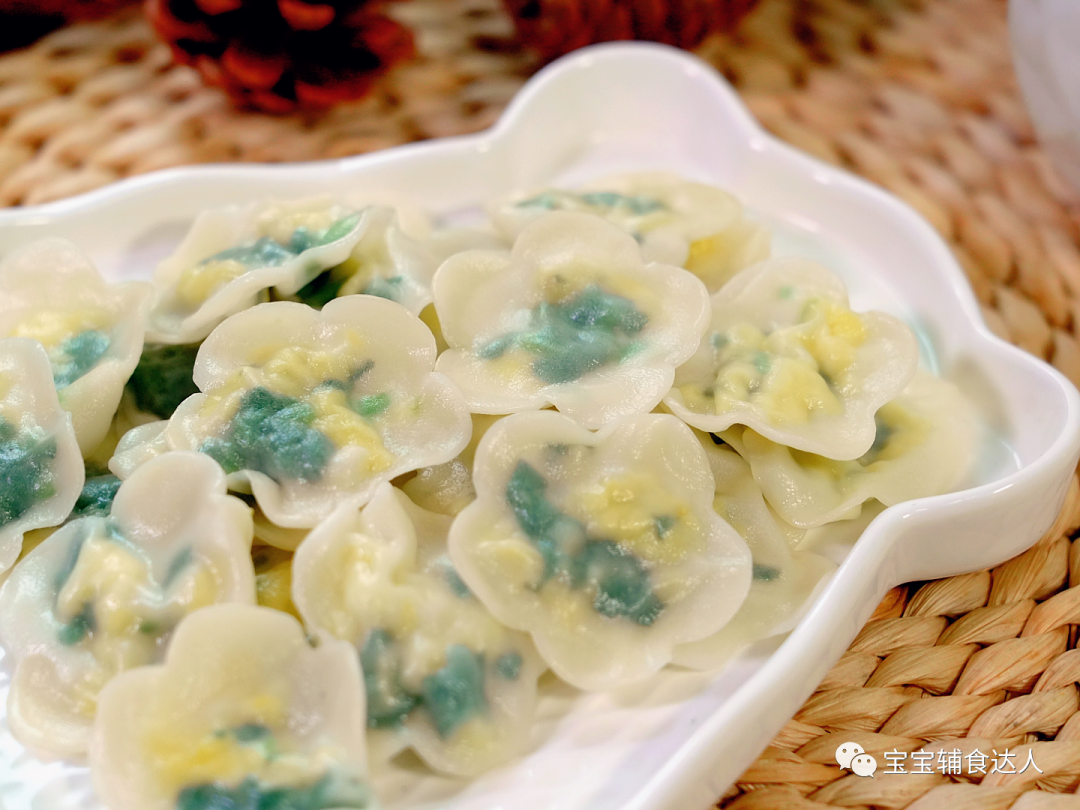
(284, 55)
(1046, 50)
(24, 21)
(279, 56)
(556, 27)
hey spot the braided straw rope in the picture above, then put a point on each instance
(919, 97)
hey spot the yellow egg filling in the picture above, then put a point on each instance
(641, 515)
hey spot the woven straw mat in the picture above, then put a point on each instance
(919, 97)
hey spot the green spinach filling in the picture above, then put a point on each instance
(322, 289)
(389, 288)
(77, 355)
(637, 204)
(326, 286)
(268, 252)
(765, 573)
(328, 793)
(272, 434)
(570, 338)
(96, 497)
(451, 695)
(82, 625)
(163, 378)
(882, 437)
(26, 471)
(619, 580)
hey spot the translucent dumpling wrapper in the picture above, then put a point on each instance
(231, 257)
(103, 594)
(40, 463)
(785, 581)
(785, 356)
(385, 262)
(269, 533)
(273, 578)
(443, 676)
(448, 488)
(308, 409)
(687, 224)
(96, 498)
(605, 547)
(925, 443)
(243, 713)
(92, 330)
(570, 317)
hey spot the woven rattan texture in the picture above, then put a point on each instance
(917, 96)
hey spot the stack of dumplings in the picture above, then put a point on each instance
(339, 485)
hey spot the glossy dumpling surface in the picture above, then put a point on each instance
(384, 262)
(40, 463)
(91, 330)
(785, 356)
(784, 579)
(676, 221)
(232, 256)
(243, 713)
(924, 445)
(443, 676)
(308, 409)
(572, 317)
(103, 594)
(604, 546)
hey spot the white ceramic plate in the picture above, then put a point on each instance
(678, 740)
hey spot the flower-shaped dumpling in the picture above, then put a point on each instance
(91, 330)
(691, 225)
(785, 356)
(925, 444)
(232, 256)
(443, 676)
(242, 715)
(604, 546)
(570, 317)
(41, 469)
(784, 580)
(103, 594)
(385, 262)
(306, 409)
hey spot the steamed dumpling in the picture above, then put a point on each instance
(91, 330)
(231, 257)
(785, 356)
(572, 317)
(604, 546)
(687, 224)
(443, 677)
(385, 262)
(103, 594)
(307, 410)
(40, 463)
(924, 445)
(784, 579)
(242, 713)
(447, 488)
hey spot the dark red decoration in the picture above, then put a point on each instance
(24, 21)
(555, 27)
(282, 55)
